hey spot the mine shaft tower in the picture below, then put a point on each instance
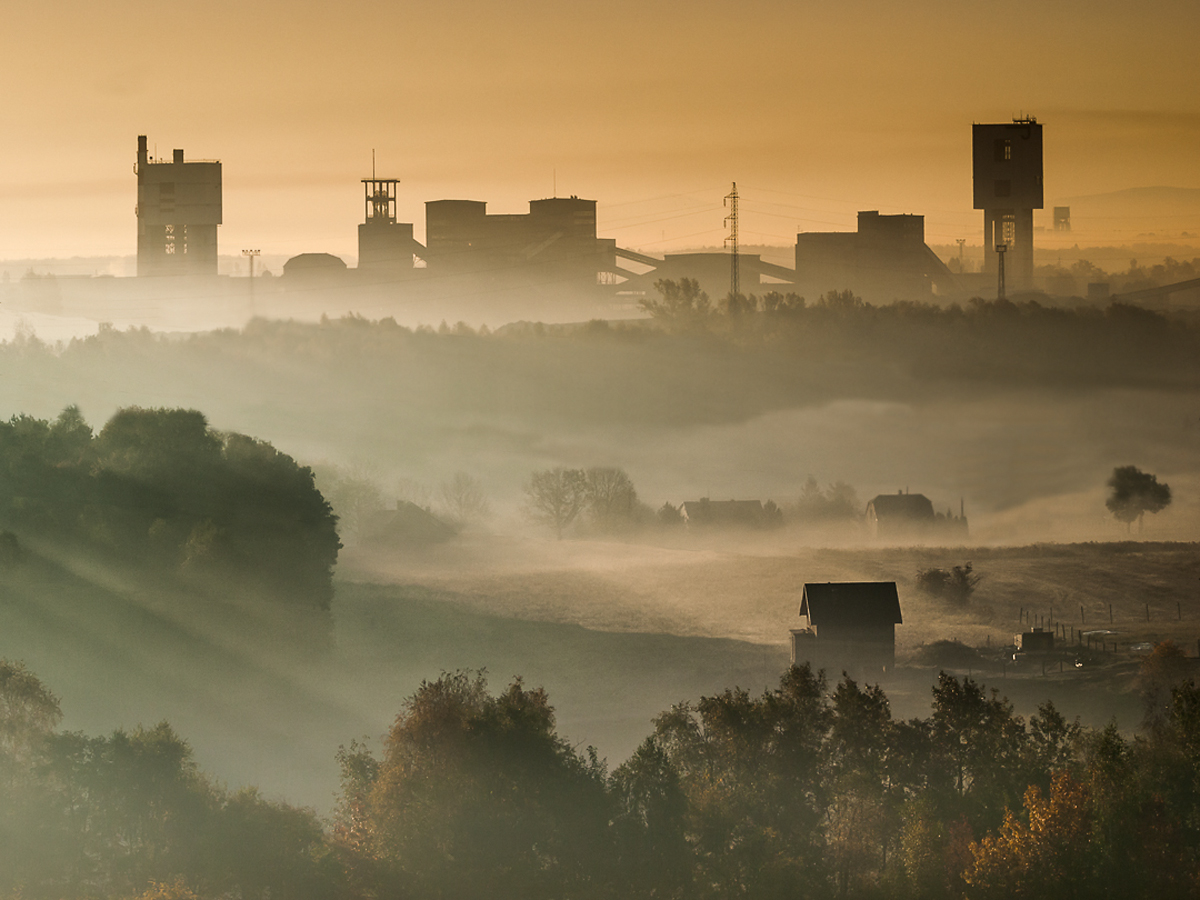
(383, 243)
(178, 211)
(1008, 188)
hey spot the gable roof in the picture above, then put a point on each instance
(851, 603)
(902, 506)
(705, 510)
(409, 523)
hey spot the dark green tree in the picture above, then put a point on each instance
(681, 306)
(1133, 493)
(754, 772)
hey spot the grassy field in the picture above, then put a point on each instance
(616, 632)
(750, 592)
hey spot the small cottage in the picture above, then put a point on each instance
(851, 627)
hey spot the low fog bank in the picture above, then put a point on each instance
(1016, 417)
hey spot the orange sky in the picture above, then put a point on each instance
(651, 108)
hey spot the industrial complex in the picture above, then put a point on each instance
(555, 245)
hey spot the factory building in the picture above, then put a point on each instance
(554, 242)
(886, 259)
(178, 211)
(1008, 188)
(385, 246)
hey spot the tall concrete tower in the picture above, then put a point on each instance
(178, 211)
(1008, 188)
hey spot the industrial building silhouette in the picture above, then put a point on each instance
(555, 241)
(178, 211)
(887, 258)
(1007, 176)
(555, 245)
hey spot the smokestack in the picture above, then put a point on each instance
(142, 153)
(178, 155)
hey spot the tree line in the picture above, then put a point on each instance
(159, 490)
(806, 790)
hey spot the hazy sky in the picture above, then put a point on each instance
(651, 108)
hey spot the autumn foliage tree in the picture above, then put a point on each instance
(475, 789)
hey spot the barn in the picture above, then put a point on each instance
(851, 627)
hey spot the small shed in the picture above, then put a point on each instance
(851, 626)
(1037, 641)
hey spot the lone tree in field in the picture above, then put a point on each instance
(1133, 493)
(557, 496)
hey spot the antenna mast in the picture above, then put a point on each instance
(251, 255)
(731, 242)
(1000, 250)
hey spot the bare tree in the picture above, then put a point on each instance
(413, 491)
(355, 496)
(611, 496)
(464, 499)
(556, 497)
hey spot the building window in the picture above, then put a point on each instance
(1003, 187)
(1003, 150)
(1008, 229)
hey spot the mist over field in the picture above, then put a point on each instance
(1022, 417)
(1018, 413)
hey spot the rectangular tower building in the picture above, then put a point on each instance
(178, 211)
(1008, 188)
(384, 244)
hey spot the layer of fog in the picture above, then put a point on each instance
(578, 616)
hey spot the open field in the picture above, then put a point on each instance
(748, 588)
(615, 632)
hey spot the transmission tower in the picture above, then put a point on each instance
(731, 242)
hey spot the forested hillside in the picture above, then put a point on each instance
(159, 493)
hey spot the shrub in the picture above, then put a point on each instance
(956, 584)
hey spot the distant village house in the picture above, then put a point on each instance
(730, 513)
(910, 516)
(408, 525)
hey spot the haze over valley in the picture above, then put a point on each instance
(549, 451)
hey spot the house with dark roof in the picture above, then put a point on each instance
(911, 516)
(851, 627)
(407, 526)
(744, 513)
